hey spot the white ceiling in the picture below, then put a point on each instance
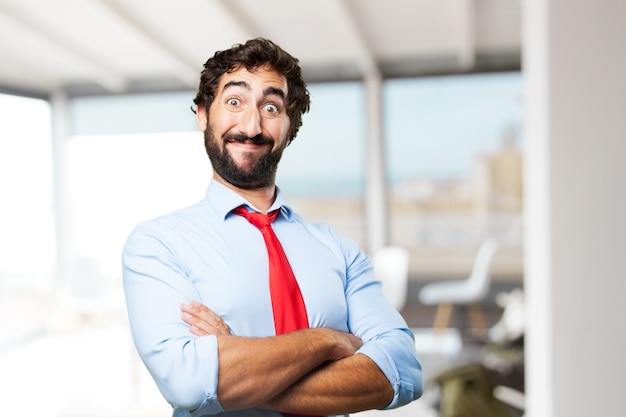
(118, 46)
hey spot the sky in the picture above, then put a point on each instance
(433, 127)
(436, 126)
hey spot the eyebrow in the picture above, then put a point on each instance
(268, 91)
(274, 92)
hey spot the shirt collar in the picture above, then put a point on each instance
(223, 200)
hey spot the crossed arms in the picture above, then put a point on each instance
(357, 355)
(310, 371)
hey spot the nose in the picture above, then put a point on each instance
(250, 122)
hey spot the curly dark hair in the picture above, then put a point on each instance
(252, 55)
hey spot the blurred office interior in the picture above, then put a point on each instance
(509, 129)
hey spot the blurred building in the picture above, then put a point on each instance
(442, 221)
(497, 178)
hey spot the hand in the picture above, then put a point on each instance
(347, 345)
(202, 320)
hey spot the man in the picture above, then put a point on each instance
(196, 280)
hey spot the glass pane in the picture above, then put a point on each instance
(117, 181)
(323, 171)
(27, 232)
(27, 243)
(327, 157)
(454, 149)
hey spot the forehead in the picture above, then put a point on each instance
(259, 79)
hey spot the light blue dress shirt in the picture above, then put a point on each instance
(206, 253)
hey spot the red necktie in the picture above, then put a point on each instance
(287, 302)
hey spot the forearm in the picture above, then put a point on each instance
(253, 370)
(349, 385)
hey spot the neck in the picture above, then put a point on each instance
(262, 198)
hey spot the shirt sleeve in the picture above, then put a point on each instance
(387, 339)
(184, 367)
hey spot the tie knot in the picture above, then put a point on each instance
(260, 220)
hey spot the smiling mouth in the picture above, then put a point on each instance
(241, 139)
(248, 147)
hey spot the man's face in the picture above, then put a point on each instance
(245, 130)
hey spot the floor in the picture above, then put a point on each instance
(61, 366)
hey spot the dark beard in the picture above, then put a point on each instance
(261, 175)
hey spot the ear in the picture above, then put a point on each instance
(201, 118)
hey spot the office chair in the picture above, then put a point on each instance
(470, 291)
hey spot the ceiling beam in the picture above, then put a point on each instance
(467, 34)
(104, 75)
(184, 70)
(245, 24)
(365, 59)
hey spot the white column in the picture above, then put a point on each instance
(376, 201)
(63, 218)
(575, 180)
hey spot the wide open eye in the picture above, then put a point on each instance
(233, 101)
(271, 108)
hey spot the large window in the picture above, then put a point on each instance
(454, 154)
(119, 179)
(27, 230)
(27, 244)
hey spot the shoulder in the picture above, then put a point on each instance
(340, 244)
(167, 226)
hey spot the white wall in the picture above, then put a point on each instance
(575, 69)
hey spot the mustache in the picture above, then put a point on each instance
(256, 140)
